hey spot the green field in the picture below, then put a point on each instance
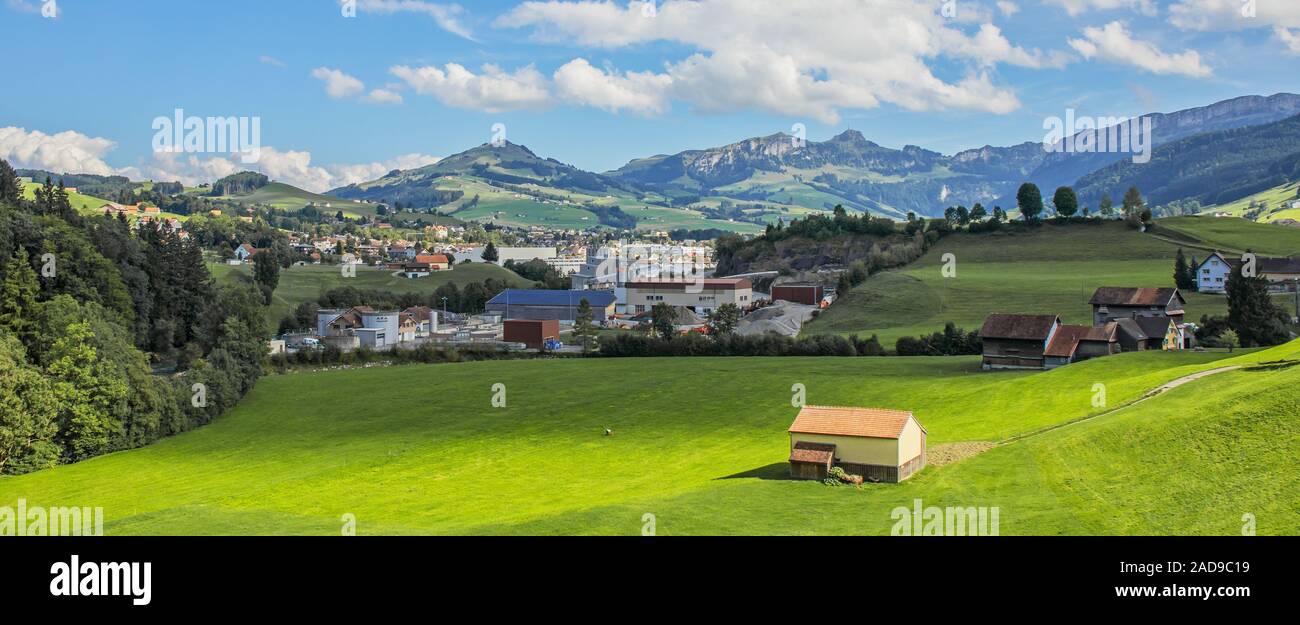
(1233, 235)
(1052, 270)
(307, 283)
(285, 197)
(1277, 203)
(82, 203)
(702, 445)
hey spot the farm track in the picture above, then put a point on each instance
(1155, 392)
(967, 450)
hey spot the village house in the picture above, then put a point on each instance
(245, 252)
(436, 262)
(1213, 272)
(878, 444)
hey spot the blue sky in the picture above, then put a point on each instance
(597, 85)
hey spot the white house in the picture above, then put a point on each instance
(1212, 274)
(244, 252)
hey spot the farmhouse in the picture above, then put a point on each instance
(436, 262)
(1018, 341)
(548, 304)
(702, 295)
(1213, 272)
(1110, 303)
(1149, 318)
(1075, 343)
(880, 445)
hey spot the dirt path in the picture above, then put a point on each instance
(955, 452)
(1184, 380)
(1196, 245)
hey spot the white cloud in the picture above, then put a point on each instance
(73, 152)
(1290, 39)
(1114, 43)
(270, 60)
(447, 16)
(1234, 14)
(338, 84)
(22, 6)
(989, 48)
(383, 96)
(292, 167)
(642, 92)
(494, 90)
(798, 58)
(63, 152)
(1079, 7)
(1008, 8)
(1229, 15)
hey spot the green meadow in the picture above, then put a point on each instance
(1052, 270)
(82, 203)
(701, 444)
(307, 283)
(286, 197)
(1277, 202)
(1234, 235)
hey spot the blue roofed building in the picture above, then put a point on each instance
(545, 304)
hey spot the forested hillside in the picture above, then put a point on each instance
(1212, 168)
(88, 308)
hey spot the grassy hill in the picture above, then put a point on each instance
(82, 203)
(420, 450)
(288, 197)
(1053, 269)
(511, 186)
(1276, 201)
(1233, 235)
(306, 283)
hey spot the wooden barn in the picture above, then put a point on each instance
(1018, 341)
(880, 445)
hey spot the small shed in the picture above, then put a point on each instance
(531, 332)
(879, 444)
(808, 294)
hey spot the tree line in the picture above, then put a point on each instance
(88, 308)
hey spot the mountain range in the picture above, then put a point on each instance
(776, 174)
